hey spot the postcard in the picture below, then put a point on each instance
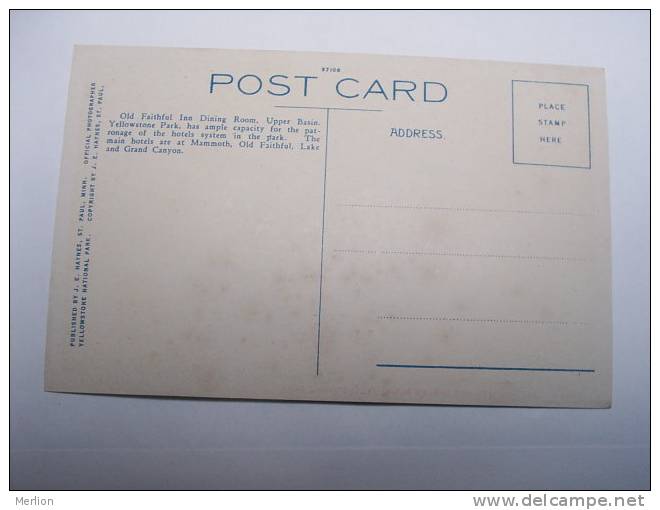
(332, 227)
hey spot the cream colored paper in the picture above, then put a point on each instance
(382, 229)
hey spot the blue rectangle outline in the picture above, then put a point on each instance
(513, 137)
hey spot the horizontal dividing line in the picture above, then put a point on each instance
(328, 108)
(532, 322)
(360, 252)
(458, 254)
(465, 209)
(479, 367)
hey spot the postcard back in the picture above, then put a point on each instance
(332, 227)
